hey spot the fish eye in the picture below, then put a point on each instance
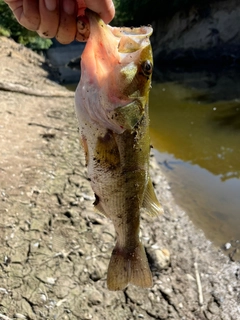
(147, 68)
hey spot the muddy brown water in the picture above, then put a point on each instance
(197, 138)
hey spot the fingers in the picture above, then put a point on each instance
(68, 24)
(58, 19)
(49, 13)
(50, 18)
(104, 8)
(26, 12)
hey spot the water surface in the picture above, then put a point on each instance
(197, 137)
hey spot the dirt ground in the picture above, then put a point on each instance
(54, 249)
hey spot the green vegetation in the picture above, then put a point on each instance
(9, 27)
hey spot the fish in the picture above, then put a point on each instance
(111, 103)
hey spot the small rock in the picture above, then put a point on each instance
(160, 257)
(50, 280)
(3, 290)
(87, 316)
(228, 245)
(43, 298)
(95, 275)
(213, 308)
(190, 277)
(93, 296)
(19, 316)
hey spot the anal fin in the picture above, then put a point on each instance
(150, 202)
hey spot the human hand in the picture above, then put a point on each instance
(57, 18)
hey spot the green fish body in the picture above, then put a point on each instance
(112, 109)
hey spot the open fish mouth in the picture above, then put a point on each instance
(111, 61)
(130, 37)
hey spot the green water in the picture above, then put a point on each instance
(198, 143)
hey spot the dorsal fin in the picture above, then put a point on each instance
(150, 202)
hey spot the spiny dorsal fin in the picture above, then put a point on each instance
(150, 202)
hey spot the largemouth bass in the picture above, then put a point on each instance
(112, 109)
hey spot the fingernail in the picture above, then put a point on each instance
(69, 6)
(51, 5)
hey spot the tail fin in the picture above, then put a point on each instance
(128, 267)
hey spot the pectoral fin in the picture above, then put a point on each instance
(150, 202)
(128, 116)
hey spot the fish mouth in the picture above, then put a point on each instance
(129, 39)
(132, 39)
(111, 71)
(110, 46)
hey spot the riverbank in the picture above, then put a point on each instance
(206, 34)
(55, 249)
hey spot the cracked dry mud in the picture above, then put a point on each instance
(54, 249)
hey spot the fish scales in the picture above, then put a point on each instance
(112, 110)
